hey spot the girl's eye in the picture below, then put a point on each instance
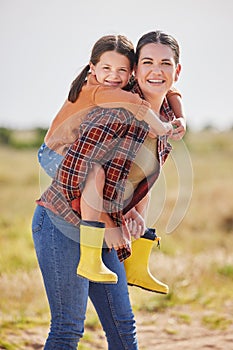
(123, 70)
(106, 68)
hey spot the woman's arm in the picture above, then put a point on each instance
(136, 217)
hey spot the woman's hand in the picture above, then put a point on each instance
(135, 223)
(113, 238)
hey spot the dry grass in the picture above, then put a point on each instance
(192, 201)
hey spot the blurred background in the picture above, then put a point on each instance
(44, 45)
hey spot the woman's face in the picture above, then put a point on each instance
(113, 69)
(156, 70)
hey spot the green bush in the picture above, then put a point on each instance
(5, 136)
(22, 139)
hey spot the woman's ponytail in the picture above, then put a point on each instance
(77, 84)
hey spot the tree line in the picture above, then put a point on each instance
(16, 138)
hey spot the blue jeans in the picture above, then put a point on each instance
(49, 160)
(67, 293)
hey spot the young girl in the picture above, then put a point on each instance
(99, 84)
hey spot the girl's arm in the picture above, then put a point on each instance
(157, 126)
(108, 97)
(179, 124)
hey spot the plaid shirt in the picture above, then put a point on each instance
(110, 137)
(163, 150)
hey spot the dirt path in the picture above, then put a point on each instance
(177, 329)
(186, 333)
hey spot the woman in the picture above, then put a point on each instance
(55, 223)
(154, 73)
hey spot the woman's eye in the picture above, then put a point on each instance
(147, 62)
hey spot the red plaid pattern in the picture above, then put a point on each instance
(163, 150)
(166, 113)
(110, 137)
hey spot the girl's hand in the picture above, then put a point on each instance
(179, 129)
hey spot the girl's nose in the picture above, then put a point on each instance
(114, 74)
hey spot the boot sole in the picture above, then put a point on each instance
(96, 281)
(150, 290)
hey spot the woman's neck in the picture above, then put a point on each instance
(155, 102)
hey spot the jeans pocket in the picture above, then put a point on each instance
(38, 219)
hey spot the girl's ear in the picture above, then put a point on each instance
(177, 73)
(92, 68)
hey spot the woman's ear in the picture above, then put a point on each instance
(135, 71)
(92, 68)
(177, 73)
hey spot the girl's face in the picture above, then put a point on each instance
(113, 69)
(156, 70)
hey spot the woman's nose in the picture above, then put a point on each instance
(156, 68)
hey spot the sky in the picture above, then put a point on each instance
(44, 45)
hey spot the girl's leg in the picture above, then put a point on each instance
(92, 196)
(112, 304)
(67, 293)
(92, 231)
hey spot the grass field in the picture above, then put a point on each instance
(192, 209)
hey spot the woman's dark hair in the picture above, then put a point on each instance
(117, 43)
(158, 37)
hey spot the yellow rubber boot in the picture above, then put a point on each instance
(137, 267)
(90, 264)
